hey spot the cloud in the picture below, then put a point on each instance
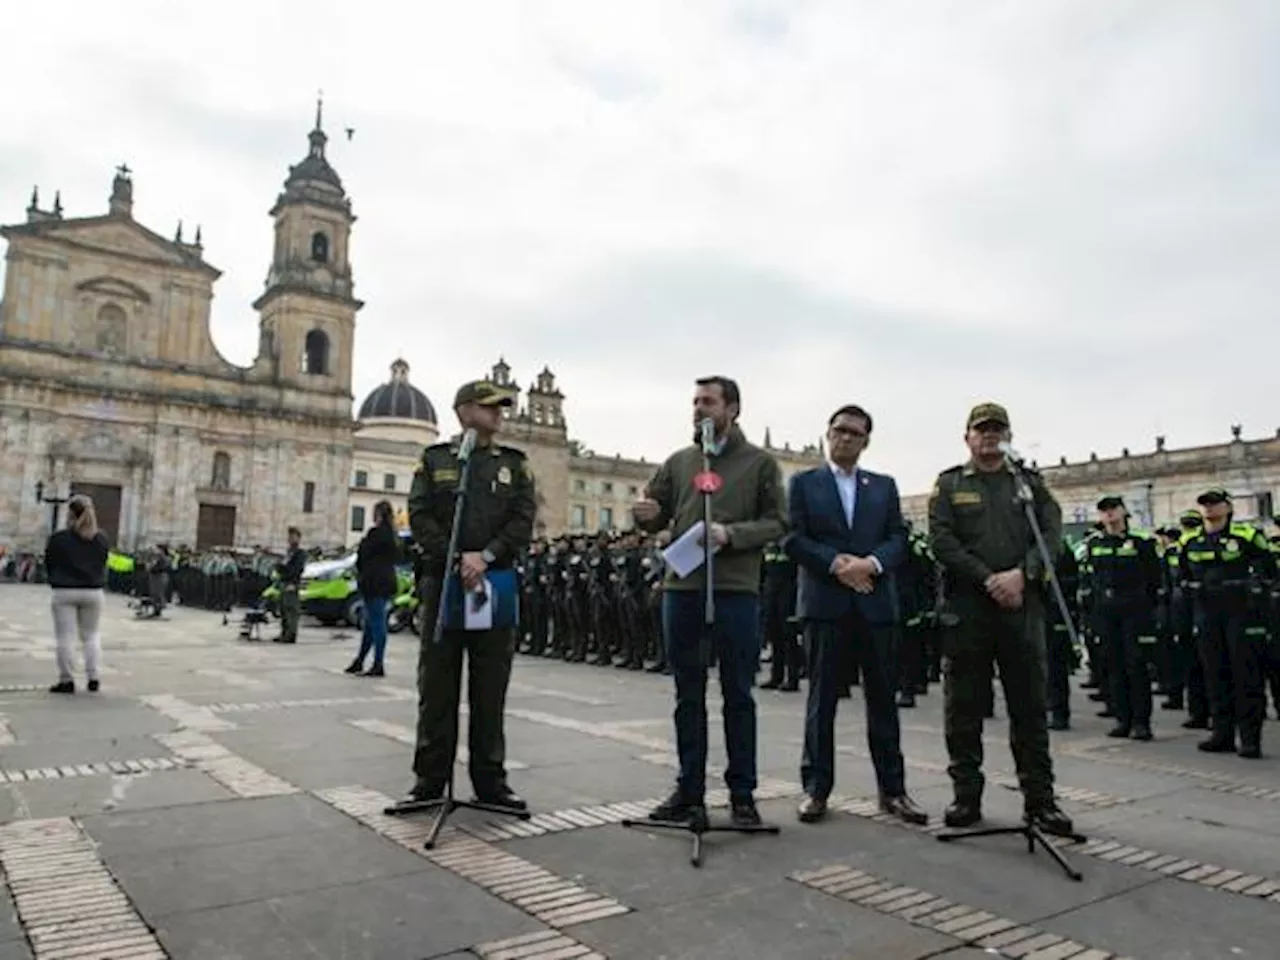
(1068, 207)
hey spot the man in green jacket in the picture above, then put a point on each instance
(748, 511)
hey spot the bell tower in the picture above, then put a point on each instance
(546, 402)
(308, 310)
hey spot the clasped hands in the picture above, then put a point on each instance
(472, 568)
(1006, 588)
(856, 573)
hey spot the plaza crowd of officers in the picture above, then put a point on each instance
(1180, 613)
(1190, 612)
(597, 600)
(594, 599)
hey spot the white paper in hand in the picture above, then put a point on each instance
(478, 607)
(685, 554)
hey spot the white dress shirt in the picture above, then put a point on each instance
(847, 487)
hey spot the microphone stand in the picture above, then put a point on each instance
(707, 483)
(1029, 830)
(447, 804)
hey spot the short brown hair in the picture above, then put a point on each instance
(728, 389)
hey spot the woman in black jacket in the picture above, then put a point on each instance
(75, 561)
(376, 560)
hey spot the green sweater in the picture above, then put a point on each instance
(751, 503)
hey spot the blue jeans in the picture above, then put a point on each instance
(737, 644)
(374, 636)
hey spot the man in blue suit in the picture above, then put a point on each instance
(847, 536)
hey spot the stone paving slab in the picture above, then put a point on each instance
(773, 919)
(172, 829)
(91, 795)
(1151, 922)
(195, 878)
(412, 917)
(227, 854)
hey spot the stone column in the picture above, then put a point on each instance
(134, 508)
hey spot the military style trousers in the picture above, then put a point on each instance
(1233, 649)
(1121, 624)
(489, 655)
(1014, 640)
(1188, 669)
(1058, 650)
(779, 631)
(290, 613)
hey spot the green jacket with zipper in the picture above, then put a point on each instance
(751, 504)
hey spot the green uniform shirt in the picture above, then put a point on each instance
(978, 527)
(500, 505)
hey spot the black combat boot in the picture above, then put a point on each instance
(1250, 744)
(1048, 816)
(963, 813)
(1219, 742)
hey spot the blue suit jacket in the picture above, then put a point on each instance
(819, 531)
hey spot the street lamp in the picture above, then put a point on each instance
(55, 500)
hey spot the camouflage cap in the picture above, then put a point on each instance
(1214, 495)
(484, 392)
(987, 413)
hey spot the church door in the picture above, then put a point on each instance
(216, 526)
(106, 503)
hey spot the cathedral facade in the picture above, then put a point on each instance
(110, 383)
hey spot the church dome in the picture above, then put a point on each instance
(398, 399)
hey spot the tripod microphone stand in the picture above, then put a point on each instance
(1029, 830)
(706, 483)
(447, 804)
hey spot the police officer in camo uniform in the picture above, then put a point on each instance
(995, 577)
(496, 527)
(290, 574)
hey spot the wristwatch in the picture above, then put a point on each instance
(488, 556)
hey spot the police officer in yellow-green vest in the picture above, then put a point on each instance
(1125, 579)
(1228, 567)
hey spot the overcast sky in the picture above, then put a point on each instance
(1071, 207)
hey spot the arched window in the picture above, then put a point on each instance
(113, 331)
(320, 247)
(221, 471)
(316, 358)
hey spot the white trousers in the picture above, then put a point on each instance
(76, 614)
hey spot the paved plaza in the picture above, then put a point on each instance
(223, 800)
